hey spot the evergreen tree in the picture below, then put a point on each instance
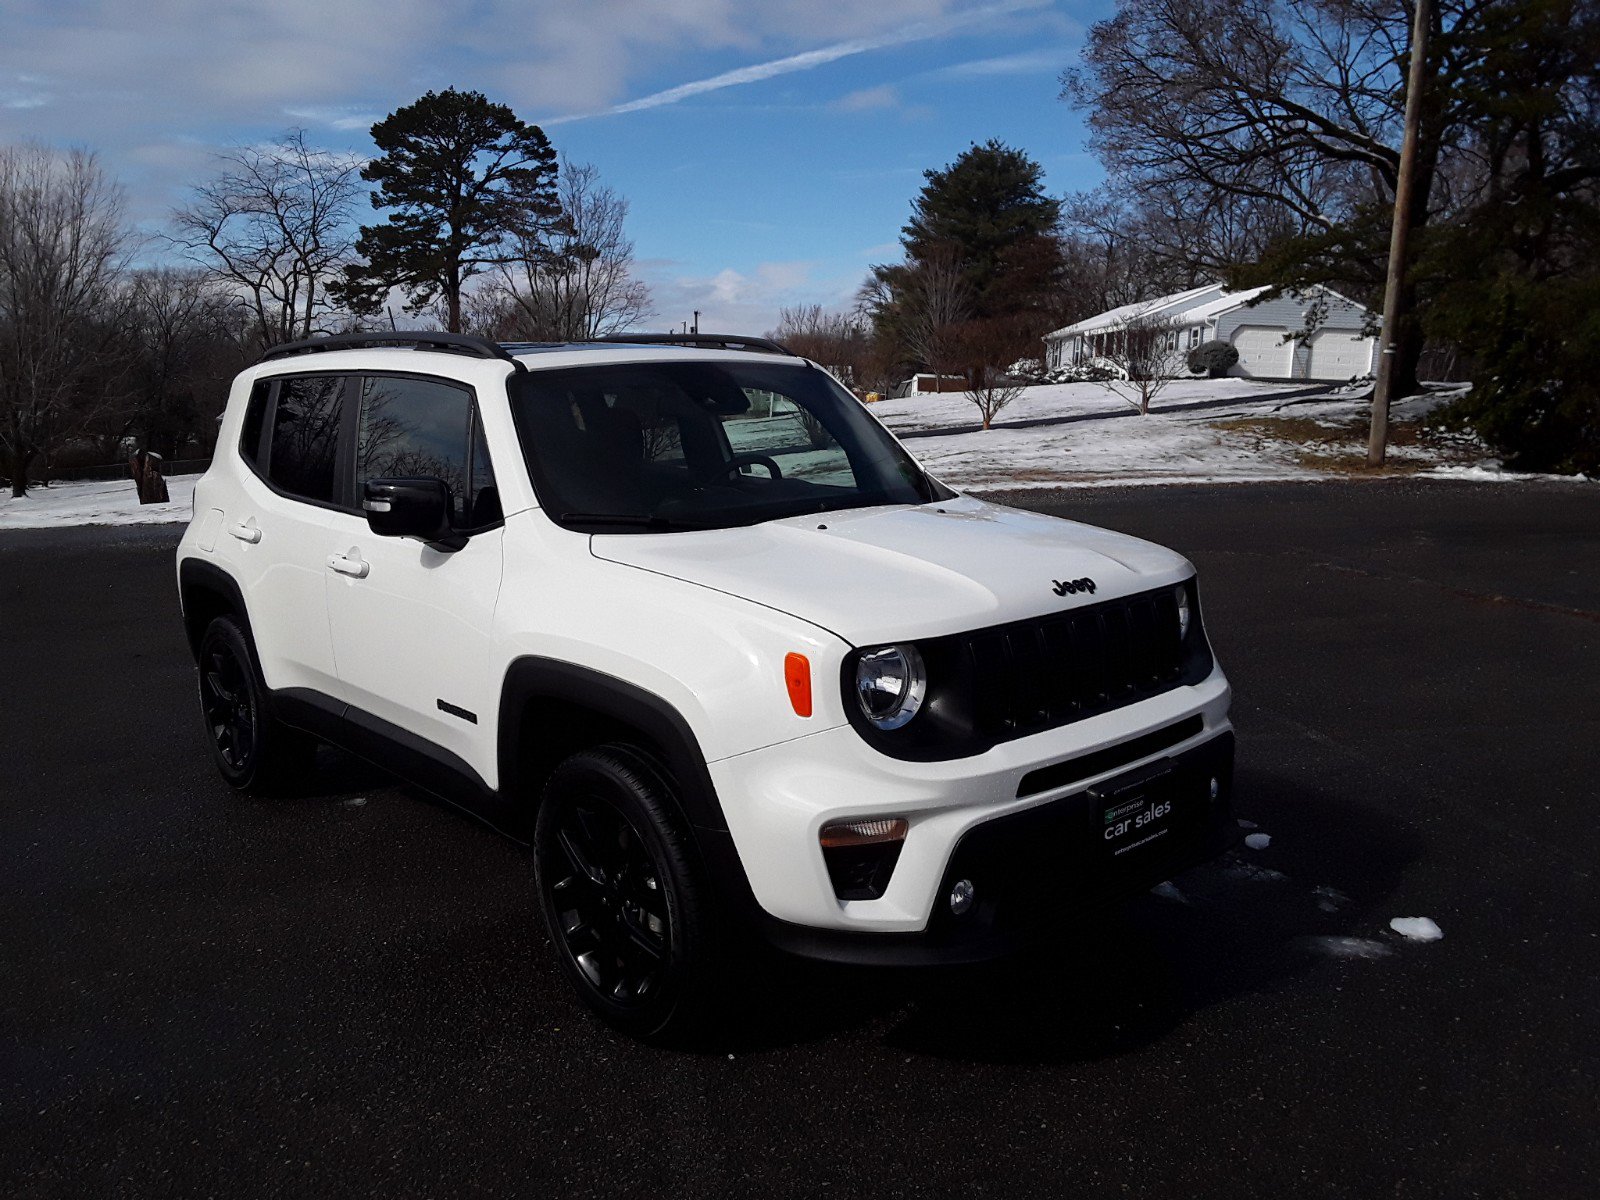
(466, 181)
(990, 208)
(981, 247)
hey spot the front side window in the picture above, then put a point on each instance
(304, 453)
(657, 446)
(413, 428)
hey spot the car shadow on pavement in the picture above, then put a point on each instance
(1125, 978)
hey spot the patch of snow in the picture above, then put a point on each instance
(1253, 873)
(1169, 891)
(1329, 899)
(1493, 472)
(94, 503)
(1243, 824)
(1417, 929)
(1341, 946)
(1258, 841)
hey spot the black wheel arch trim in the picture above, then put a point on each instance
(196, 575)
(531, 678)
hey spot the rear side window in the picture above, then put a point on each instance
(255, 415)
(305, 436)
(422, 427)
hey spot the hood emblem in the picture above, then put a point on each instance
(1073, 586)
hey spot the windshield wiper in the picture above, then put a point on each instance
(640, 520)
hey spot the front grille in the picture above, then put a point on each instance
(1052, 670)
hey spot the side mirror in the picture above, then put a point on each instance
(413, 508)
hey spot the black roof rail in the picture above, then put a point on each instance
(455, 343)
(705, 341)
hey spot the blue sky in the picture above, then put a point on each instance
(770, 151)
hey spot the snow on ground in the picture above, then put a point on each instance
(94, 503)
(1417, 929)
(1341, 946)
(1063, 400)
(1258, 841)
(1198, 431)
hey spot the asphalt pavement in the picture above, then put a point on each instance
(349, 993)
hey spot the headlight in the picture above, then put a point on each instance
(1182, 594)
(890, 684)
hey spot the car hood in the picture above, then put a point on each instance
(876, 575)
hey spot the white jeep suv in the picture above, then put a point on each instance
(684, 616)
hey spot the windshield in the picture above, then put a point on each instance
(662, 446)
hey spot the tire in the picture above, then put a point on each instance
(253, 751)
(624, 897)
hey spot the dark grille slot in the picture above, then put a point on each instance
(1119, 653)
(1089, 662)
(992, 683)
(1026, 652)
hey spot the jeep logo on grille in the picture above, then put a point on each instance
(1073, 586)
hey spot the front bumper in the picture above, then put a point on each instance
(1034, 870)
(776, 801)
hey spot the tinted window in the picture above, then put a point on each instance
(657, 446)
(419, 427)
(305, 435)
(255, 414)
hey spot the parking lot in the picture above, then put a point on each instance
(350, 992)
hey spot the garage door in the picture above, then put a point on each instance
(1262, 352)
(1339, 354)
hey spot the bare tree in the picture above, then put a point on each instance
(575, 281)
(63, 247)
(839, 341)
(1144, 348)
(182, 349)
(985, 350)
(934, 300)
(275, 224)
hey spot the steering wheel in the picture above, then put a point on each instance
(738, 460)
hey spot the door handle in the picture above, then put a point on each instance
(246, 531)
(351, 564)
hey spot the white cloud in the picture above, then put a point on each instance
(882, 96)
(732, 301)
(1028, 62)
(916, 32)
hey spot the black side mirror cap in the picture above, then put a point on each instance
(414, 508)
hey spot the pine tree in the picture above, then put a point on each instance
(990, 208)
(465, 181)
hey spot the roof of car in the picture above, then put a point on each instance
(713, 345)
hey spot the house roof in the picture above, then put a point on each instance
(1186, 308)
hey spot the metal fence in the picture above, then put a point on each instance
(177, 466)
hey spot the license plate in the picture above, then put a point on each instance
(1134, 814)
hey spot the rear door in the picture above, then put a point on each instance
(276, 535)
(412, 624)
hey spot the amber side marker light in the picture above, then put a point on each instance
(843, 834)
(797, 678)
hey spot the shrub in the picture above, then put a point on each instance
(1213, 359)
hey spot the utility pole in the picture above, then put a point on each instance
(1378, 438)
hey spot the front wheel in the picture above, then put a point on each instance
(623, 895)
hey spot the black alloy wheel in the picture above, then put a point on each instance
(621, 892)
(229, 706)
(612, 908)
(253, 751)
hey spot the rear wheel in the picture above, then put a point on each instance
(623, 895)
(252, 750)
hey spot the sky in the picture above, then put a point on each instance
(769, 149)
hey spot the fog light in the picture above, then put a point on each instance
(1216, 788)
(961, 896)
(861, 855)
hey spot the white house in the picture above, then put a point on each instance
(1269, 334)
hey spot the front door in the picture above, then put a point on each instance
(411, 623)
